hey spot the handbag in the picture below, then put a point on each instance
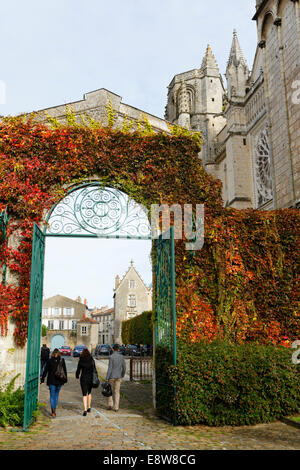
(60, 373)
(95, 380)
(106, 389)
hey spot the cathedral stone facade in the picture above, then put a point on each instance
(250, 124)
(251, 130)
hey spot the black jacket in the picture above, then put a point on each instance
(50, 370)
(85, 367)
(45, 353)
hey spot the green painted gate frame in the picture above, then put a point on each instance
(34, 326)
(165, 281)
(36, 296)
(165, 314)
(4, 218)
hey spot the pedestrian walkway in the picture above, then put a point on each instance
(135, 427)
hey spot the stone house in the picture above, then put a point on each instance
(87, 333)
(105, 319)
(61, 315)
(131, 298)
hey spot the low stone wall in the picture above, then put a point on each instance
(70, 339)
(12, 358)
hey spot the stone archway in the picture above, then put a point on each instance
(94, 211)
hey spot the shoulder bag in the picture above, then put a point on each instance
(95, 380)
(60, 373)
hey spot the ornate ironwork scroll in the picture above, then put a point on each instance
(94, 211)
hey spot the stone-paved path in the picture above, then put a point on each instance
(134, 427)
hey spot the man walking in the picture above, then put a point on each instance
(115, 372)
(45, 354)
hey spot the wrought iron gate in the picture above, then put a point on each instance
(93, 211)
(165, 322)
(3, 229)
(34, 326)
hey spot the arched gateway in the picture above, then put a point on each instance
(91, 210)
(57, 341)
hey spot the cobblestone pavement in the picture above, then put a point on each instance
(134, 427)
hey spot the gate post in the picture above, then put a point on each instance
(165, 320)
(34, 326)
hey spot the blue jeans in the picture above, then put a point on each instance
(43, 365)
(54, 393)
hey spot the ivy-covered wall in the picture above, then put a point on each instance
(241, 286)
(244, 284)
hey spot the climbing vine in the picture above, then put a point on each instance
(242, 286)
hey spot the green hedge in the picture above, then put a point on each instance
(138, 330)
(222, 384)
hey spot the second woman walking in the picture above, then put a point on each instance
(85, 371)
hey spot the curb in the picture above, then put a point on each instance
(290, 422)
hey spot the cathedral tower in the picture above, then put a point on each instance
(238, 160)
(195, 101)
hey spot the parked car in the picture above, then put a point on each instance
(103, 350)
(121, 348)
(132, 350)
(65, 351)
(145, 349)
(78, 350)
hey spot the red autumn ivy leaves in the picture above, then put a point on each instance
(242, 286)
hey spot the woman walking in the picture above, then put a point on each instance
(56, 364)
(85, 371)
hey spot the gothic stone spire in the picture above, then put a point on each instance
(237, 72)
(236, 56)
(209, 61)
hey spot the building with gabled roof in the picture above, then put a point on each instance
(131, 298)
(104, 316)
(60, 315)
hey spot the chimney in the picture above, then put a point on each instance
(117, 281)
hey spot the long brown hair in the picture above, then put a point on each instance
(85, 353)
(56, 353)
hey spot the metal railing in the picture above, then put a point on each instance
(140, 368)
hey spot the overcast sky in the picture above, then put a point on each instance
(88, 267)
(52, 52)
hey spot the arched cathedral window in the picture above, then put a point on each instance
(264, 186)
